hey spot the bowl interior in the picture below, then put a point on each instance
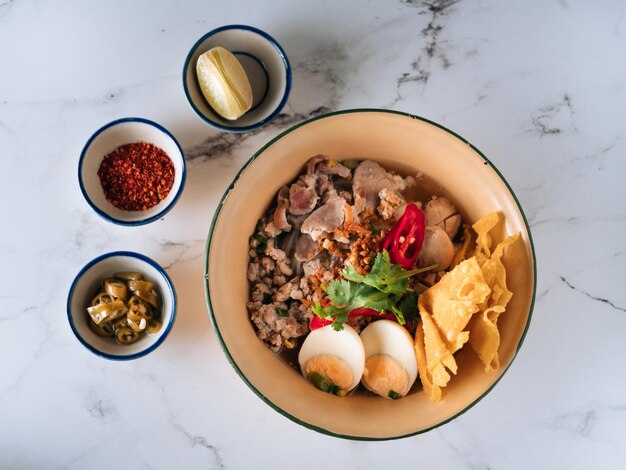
(264, 63)
(396, 140)
(108, 139)
(87, 285)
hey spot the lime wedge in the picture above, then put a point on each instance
(224, 83)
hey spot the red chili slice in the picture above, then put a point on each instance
(317, 322)
(405, 238)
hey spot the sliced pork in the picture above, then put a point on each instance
(306, 248)
(369, 180)
(280, 214)
(302, 199)
(325, 219)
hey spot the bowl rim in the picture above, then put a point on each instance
(166, 330)
(288, 79)
(218, 332)
(106, 216)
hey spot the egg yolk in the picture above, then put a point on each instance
(335, 369)
(384, 374)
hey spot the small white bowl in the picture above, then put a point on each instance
(85, 287)
(108, 138)
(266, 65)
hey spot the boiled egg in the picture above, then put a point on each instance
(333, 360)
(390, 363)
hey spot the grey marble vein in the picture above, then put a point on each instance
(196, 440)
(5, 316)
(597, 156)
(583, 422)
(193, 440)
(217, 145)
(433, 49)
(483, 92)
(602, 261)
(5, 7)
(457, 451)
(224, 143)
(89, 233)
(48, 335)
(553, 119)
(75, 460)
(591, 296)
(323, 74)
(100, 408)
(113, 95)
(438, 10)
(580, 423)
(180, 250)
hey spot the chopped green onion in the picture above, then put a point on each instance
(322, 382)
(281, 312)
(393, 395)
(261, 242)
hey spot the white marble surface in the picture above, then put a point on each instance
(538, 86)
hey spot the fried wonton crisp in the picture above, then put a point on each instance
(464, 306)
(484, 334)
(483, 239)
(433, 357)
(453, 301)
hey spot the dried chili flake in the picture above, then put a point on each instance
(137, 176)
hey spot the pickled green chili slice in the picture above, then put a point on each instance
(139, 306)
(108, 311)
(145, 290)
(126, 335)
(154, 326)
(101, 298)
(116, 288)
(137, 322)
(119, 323)
(140, 285)
(149, 296)
(103, 329)
(113, 314)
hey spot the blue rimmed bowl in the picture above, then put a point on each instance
(85, 287)
(266, 65)
(108, 138)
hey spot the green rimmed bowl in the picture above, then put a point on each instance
(395, 140)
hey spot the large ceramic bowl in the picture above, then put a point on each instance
(397, 140)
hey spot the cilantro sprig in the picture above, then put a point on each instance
(384, 289)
